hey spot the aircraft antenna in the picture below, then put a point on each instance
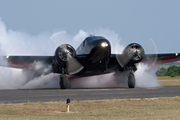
(92, 34)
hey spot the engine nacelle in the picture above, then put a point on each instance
(63, 54)
(133, 53)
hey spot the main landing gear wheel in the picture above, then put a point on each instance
(63, 83)
(131, 81)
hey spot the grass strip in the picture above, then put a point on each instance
(125, 109)
(169, 81)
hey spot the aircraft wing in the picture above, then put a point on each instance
(162, 58)
(149, 58)
(22, 62)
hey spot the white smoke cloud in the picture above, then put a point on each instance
(145, 75)
(20, 43)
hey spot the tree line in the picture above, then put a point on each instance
(171, 71)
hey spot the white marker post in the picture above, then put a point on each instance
(68, 104)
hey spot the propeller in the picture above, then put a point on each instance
(65, 54)
(59, 37)
(151, 52)
(134, 53)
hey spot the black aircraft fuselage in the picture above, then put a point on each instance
(98, 51)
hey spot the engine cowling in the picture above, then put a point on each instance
(132, 54)
(63, 54)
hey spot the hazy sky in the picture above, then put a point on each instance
(134, 20)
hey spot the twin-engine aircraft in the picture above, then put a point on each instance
(92, 57)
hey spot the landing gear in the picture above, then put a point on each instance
(63, 83)
(131, 81)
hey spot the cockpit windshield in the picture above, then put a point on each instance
(93, 38)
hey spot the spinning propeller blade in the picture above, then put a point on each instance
(134, 53)
(67, 53)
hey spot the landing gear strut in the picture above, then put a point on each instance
(131, 81)
(63, 83)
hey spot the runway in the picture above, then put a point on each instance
(47, 95)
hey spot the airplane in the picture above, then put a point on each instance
(92, 57)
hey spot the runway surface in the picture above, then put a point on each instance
(47, 95)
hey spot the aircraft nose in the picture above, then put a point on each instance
(104, 43)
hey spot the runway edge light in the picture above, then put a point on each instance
(68, 104)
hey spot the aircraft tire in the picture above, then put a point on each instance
(131, 81)
(63, 82)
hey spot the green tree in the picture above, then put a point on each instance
(161, 72)
(179, 71)
(173, 71)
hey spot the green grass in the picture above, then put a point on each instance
(168, 78)
(169, 81)
(126, 109)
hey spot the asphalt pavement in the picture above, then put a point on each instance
(47, 95)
